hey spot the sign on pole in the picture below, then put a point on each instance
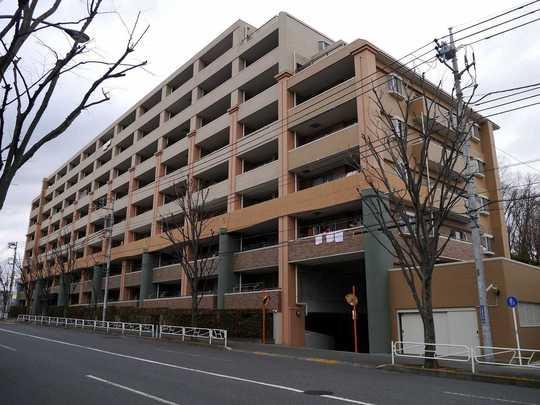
(512, 302)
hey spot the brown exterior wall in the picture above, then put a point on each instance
(454, 286)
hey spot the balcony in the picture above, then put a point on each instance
(172, 178)
(333, 146)
(213, 127)
(120, 180)
(218, 191)
(260, 175)
(435, 156)
(318, 247)
(259, 101)
(255, 259)
(166, 273)
(132, 279)
(325, 101)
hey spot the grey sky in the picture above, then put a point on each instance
(178, 29)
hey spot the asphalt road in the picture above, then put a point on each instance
(40, 365)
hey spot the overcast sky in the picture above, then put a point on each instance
(178, 29)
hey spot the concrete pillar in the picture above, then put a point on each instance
(97, 276)
(228, 244)
(147, 288)
(36, 297)
(377, 262)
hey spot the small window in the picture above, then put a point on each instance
(398, 127)
(408, 223)
(487, 243)
(482, 205)
(395, 86)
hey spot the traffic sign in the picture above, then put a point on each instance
(512, 301)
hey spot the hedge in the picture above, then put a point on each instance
(245, 323)
(16, 310)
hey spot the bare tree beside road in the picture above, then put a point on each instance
(26, 98)
(416, 175)
(187, 230)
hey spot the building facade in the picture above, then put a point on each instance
(267, 119)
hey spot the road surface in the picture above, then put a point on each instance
(41, 365)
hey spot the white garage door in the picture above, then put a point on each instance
(455, 327)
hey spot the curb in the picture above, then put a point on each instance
(460, 375)
(320, 360)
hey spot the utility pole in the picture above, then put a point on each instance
(109, 222)
(449, 52)
(11, 245)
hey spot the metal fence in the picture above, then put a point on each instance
(108, 326)
(212, 335)
(508, 356)
(436, 351)
(475, 355)
(183, 332)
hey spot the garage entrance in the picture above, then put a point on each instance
(452, 326)
(322, 289)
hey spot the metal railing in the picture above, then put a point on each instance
(475, 355)
(508, 356)
(89, 324)
(212, 335)
(435, 351)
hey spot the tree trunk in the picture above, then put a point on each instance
(194, 308)
(429, 327)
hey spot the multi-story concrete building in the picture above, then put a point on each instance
(267, 119)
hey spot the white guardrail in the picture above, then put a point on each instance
(499, 356)
(212, 335)
(195, 333)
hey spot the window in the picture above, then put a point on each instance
(395, 86)
(475, 132)
(398, 127)
(529, 314)
(487, 243)
(408, 223)
(480, 167)
(458, 234)
(482, 205)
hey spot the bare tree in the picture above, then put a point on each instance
(45, 280)
(4, 288)
(187, 234)
(64, 258)
(27, 278)
(411, 203)
(521, 196)
(25, 98)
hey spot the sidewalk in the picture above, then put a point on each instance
(495, 374)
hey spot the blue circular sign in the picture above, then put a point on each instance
(512, 301)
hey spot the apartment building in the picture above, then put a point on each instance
(267, 120)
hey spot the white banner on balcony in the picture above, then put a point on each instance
(329, 237)
(338, 237)
(318, 239)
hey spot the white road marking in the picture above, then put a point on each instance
(351, 401)
(192, 370)
(144, 394)
(8, 348)
(471, 396)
